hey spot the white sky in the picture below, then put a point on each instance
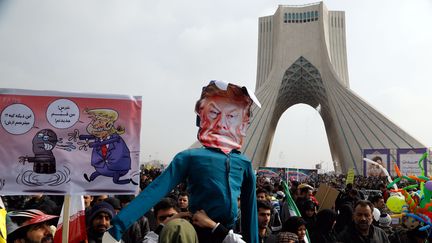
(166, 51)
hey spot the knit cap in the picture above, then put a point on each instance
(385, 220)
(284, 237)
(100, 207)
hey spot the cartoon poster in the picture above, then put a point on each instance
(68, 143)
(381, 156)
(407, 160)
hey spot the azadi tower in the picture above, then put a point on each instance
(302, 59)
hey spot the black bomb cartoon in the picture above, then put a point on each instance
(43, 161)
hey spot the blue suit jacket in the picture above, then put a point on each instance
(118, 154)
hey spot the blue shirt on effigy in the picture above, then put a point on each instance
(215, 181)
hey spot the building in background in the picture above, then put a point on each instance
(302, 59)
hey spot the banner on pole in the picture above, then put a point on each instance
(381, 156)
(285, 174)
(407, 160)
(350, 176)
(68, 143)
(301, 174)
(273, 173)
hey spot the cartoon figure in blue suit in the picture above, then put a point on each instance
(110, 155)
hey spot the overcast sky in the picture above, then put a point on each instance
(165, 51)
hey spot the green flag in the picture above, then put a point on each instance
(292, 207)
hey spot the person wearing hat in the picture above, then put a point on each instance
(217, 173)
(384, 223)
(115, 203)
(303, 195)
(287, 237)
(30, 225)
(178, 231)
(98, 221)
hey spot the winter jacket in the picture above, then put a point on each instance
(351, 235)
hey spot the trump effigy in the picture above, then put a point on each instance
(217, 174)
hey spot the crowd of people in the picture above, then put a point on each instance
(359, 214)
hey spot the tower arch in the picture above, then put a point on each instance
(305, 62)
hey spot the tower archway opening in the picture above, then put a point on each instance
(301, 142)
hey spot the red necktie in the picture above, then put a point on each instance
(104, 150)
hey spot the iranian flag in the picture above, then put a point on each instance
(73, 213)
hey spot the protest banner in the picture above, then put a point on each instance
(300, 174)
(381, 156)
(274, 173)
(407, 161)
(350, 176)
(68, 143)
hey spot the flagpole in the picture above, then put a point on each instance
(292, 207)
(65, 232)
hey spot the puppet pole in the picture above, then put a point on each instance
(66, 206)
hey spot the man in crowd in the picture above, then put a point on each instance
(98, 221)
(43, 203)
(164, 211)
(88, 199)
(349, 197)
(139, 229)
(303, 195)
(362, 229)
(275, 221)
(183, 201)
(100, 198)
(264, 232)
(115, 203)
(261, 194)
(378, 202)
(167, 211)
(30, 225)
(384, 191)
